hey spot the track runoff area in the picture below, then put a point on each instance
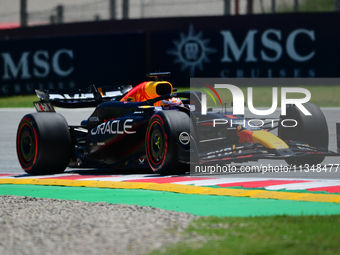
(243, 193)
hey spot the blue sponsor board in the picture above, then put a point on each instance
(264, 46)
(113, 53)
(70, 62)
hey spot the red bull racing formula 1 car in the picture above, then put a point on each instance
(152, 126)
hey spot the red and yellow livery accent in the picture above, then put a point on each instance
(148, 90)
(263, 137)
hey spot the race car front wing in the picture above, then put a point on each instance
(245, 152)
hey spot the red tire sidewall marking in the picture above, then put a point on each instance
(149, 158)
(159, 117)
(28, 166)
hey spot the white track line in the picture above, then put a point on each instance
(219, 181)
(302, 186)
(122, 178)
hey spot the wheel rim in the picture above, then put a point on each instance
(27, 144)
(156, 143)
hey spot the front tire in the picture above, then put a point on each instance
(161, 142)
(44, 144)
(311, 129)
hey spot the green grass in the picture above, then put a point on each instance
(323, 96)
(309, 6)
(279, 235)
(18, 101)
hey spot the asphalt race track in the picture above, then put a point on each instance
(9, 164)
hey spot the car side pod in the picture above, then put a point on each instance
(338, 136)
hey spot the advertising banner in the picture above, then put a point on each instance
(264, 46)
(70, 62)
(247, 46)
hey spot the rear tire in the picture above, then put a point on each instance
(44, 144)
(161, 142)
(311, 129)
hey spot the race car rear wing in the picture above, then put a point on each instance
(77, 98)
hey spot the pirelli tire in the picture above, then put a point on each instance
(161, 141)
(311, 129)
(44, 144)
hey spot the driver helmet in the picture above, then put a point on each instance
(171, 103)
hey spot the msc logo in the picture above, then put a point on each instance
(43, 62)
(251, 46)
(271, 39)
(191, 51)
